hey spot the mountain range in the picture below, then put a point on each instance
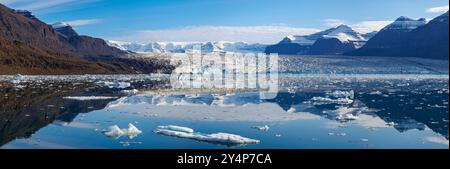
(30, 46)
(332, 41)
(405, 37)
(182, 47)
(410, 38)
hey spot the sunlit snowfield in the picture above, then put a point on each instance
(323, 102)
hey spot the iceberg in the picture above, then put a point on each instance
(217, 138)
(261, 128)
(116, 132)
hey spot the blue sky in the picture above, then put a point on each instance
(265, 21)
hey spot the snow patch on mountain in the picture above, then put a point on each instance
(405, 23)
(343, 33)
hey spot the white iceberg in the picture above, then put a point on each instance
(116, 132)
(130, 92)
(84, 98)
(177, 128)
(324, 100)
(218, 138)
(262, 128)
(338, 93)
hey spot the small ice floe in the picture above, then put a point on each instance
(342, 94)
(83, 98)
(115, 84)
(325, 100)
(341, 134)
(376, 93)
(261, 128)
(128, 143)
(364, 140)
(116, 132)
(277, 135)
(130, 92)
(218, 138)
(390, 124)
(177, 128)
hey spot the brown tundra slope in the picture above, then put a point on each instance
(30, 46)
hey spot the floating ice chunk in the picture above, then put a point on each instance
(219, 138)
(130, 92)
(325, 100)
(115, 84)
(177, 128)
(342, 94)
(83, 98)
(350, 117)
(230, 138)
(261, 128)
(291, 110)
(376, 93)
(364, 140)
(116, 132)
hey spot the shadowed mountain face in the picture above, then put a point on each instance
(30, 46)
(330, 46)
(410, 39)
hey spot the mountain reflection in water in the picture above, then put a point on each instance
(422, 105)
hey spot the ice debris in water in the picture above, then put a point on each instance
(376, 93)
(18, 78)
(342, 94)
(324, 100)
(83, 98)
(261, 128)
(218, 138)
(130, 92)
(116, 132)
(115, 84)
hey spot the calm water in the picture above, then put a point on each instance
(311, 111)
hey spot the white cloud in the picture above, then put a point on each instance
(333, 22)
(82, 22)
(40, 4)
(439, 9)
(251, 34)
(369, 26)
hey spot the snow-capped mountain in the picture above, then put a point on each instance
(405, 23)
(336, 41)
(182, 47)
(410, 38)
(343, 32)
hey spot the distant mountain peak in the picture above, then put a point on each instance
(405, 23)
(25, 13)
(60, 25)
(65, 29)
